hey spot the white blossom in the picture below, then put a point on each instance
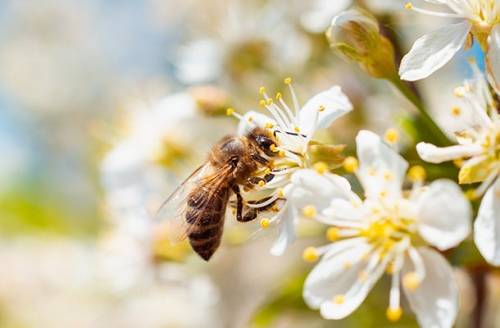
(294, 129)
(479, 18)
(389, 231)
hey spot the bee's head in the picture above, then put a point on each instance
(263, 139)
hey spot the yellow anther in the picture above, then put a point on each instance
(281, 153)
(471, 194)
(456, 111)
(409, 5)
(320, 167)
(362, 276)
(280, 193)
(391, 136)
(309, 212)
(267, 171)
(269, 125)
(411, 281)
(273, 148)
(332, 234)
(338, 299)
(278, 96)
(269, 102)
(390, 268)
(321, 108)
(394, 314)
(288, 80)
(350, 164)
(262, 90)
(229, 111)
(417, 174)
(458, 162)
(262, 103)
(310, 254)
(264, 223)
(296, 129)
(262, 183)
(464, 174)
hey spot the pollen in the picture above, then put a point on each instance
(391, 136)
(338, 299)
(310, 254)
(332, 234)
(417, 174)
(267, 171)
(262, 183)
(394, 313)
(409, 5)
(471, 194)
(229, 111)
(458, 162)
(309, 211)
(459, 92)
(262, 103)
(281, 153)
(350, 164)
(269, 102)
(273, 148)
(280, 193)
(320, 167)
(269, 125)
(287, 80)
(456, 111)
(264, 223)
(411, 281)
(296, 129)
(321, 108)
(278, 96)
(262, 90)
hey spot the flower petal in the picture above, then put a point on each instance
(487, 225)
(380, 167)
(336, 274)
(306, 184)
(335, 104)
(493, 58)
(433, 154)
(286, 236)
(444, 215)
(251, 120)
(432, 51)
(435, 300)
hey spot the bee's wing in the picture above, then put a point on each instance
(170, 217)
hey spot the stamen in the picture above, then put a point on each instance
(264, 223)
(310, 254)
(332, 234)
(309, 212)
(391, 136)
(288, 81)
(320, 167)
(411, 281)
(410, 6)
(416, 174)
(350, 164)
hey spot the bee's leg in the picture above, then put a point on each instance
(260, 159)
(252, 213)
(256, 180)
(239, 203)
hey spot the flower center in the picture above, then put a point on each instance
(386, 232)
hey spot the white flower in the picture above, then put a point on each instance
(479, 146)
(389, 232)
(294, 129)
(480, 18)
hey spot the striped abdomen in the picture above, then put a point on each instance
(205, 215)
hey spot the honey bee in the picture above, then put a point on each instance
(196, 209)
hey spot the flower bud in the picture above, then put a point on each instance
(354, 34)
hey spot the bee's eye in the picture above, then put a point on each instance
(264, 142)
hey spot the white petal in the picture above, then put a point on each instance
(307, 183)
(381, 168)
(341, 209)
(251, 120)
(286, 231)
(435, 301)
(444, 215)
(335, 104)
(487, 225)
(336, 274)
(432, 51)
(493, 58)
(432, 154)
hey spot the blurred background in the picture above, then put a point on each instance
(105, 106)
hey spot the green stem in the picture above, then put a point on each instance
(434, 130)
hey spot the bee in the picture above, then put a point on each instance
(196, 209)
